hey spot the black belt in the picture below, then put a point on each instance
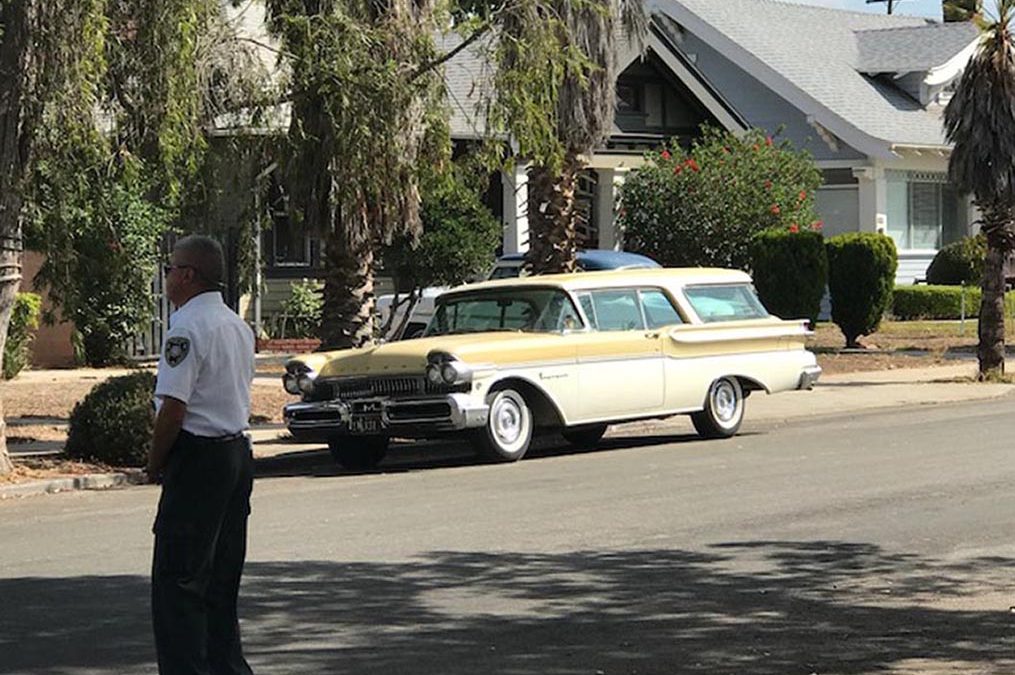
(228, 438)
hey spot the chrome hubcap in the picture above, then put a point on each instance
(507, 422)
(724, 400)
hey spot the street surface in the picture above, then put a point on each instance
(871, 543)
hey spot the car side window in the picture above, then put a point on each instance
(659, 310)
(617, 310)
(725, 302)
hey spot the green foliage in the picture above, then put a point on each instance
(20, 333)
(706, 206)
(940, 302)
(959, 262)
(458, 240)
(113, 424)
(301, 311)
(861, 274)
(100, 234)
(790, 271)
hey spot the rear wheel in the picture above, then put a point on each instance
(508, 430)
(724, 410)
(359, 452)
(585, 436)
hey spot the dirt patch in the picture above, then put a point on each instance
(266, 403)
(30, 469)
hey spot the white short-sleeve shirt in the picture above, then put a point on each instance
(207, 362)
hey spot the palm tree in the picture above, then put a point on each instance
(584, 115)
(980, 122)
(961, 10)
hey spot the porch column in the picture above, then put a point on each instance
(516, 205)
(873, 195)
(607, 190)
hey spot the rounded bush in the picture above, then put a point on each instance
(113, 424)
(861, 275)
(790, 272)
(940, 302)
(959, 262)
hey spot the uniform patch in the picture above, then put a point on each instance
(177, 349)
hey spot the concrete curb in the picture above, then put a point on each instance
(88, 481)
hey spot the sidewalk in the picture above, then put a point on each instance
(834, 395)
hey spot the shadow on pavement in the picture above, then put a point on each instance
(427, 455)
(748, 607)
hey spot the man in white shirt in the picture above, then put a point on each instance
(203, 458)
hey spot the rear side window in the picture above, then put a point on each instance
(725, 302)
(659, 311)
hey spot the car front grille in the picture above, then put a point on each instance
(389, 387)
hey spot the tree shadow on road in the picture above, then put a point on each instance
(740, 607)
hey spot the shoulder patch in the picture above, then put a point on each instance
(177, 349)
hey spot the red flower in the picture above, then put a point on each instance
(665, 154)
(794, 228)
(768, 141)
(768, 185)
(677, 169)
(692, 165)
(803, 195)
(774, 208)
(817, 225)
(755, 147)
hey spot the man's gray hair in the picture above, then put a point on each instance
(206, 256)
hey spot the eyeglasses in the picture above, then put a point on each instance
(170, 267)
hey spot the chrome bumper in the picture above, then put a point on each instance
(808, 377)
(453, 412)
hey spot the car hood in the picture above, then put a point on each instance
(410, 356)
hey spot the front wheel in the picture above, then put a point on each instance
(508, 430)
(358, 453)
(724, 410)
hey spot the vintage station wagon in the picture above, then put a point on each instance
(503, 360)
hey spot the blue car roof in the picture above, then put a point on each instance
(601, 259)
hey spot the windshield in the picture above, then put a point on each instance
(530, 310)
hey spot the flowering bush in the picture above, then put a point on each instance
(706, 206)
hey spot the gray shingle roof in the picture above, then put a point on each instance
(911, 49)
(816, 51)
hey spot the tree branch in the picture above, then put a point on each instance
(427, 67)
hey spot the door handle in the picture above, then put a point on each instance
(652, 336)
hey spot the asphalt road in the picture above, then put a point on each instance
(877, 543)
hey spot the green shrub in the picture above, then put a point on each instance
(113, 424)
(21, 333)
(939, 302)
(959, 262)
(301, 311)
(705, 207)
(861, 274)
(790, 271)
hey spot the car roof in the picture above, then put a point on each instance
(599, 259)
(662, 276)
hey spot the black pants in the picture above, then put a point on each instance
(200, 546)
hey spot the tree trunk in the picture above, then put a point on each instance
(15, 43)
(997, 227)
(553, 221)
(349, 282)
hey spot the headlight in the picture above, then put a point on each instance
(299, 378)
(290, 384)
(449, 373)
(433, 374)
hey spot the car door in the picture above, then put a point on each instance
(620, 368)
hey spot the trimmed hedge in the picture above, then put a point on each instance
(113, 424)
(790, 271)
(939, 302)
(959, 262)
(861, 275)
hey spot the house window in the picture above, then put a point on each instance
(629, 97)
(924, 211)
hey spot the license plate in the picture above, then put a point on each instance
(365, 424)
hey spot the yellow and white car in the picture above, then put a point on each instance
(503, 360)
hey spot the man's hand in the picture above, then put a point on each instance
(167, 427)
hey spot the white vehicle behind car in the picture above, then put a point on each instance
(507, 267)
